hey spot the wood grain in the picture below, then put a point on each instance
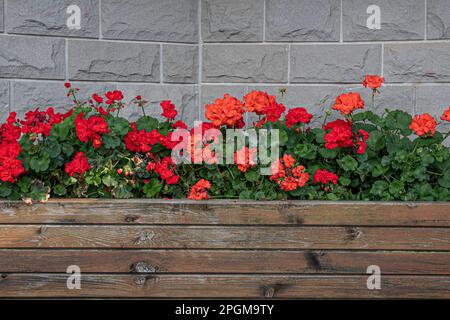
(141, 211)
(207, 237)
(225, 261)
(224, 286)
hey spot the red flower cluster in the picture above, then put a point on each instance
(361, 138)
(423, 125)
(169, 111)
(264, 104)
(226, 112)
(38, 122)
(10, 166)
(297, 115)
(113, 96)
(446, 115)
(165, 168)
(287, 176)
(348, 102)
(141, 141)
(97, 98)
(79, 165)
(91, 129)
(325, 177)
(199, 190)
(373, 82)
(340, 135)
(245, 158)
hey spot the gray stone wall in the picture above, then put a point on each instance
(193, 51)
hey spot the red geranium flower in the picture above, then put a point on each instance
(373, 82)
(446, 115)
(169, 111)
(245, 158)
(325, 177)
(348, 102)
(91, 129)
(113, 96)
(297, 115)
(423, 125)
(227, 111)
(199, 190)
(339, 134)
(97, 98)
(79, 165)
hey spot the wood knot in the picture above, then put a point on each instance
(140, 280)
(4, 276)
(42, 229)
(313, 259)
(269, 292)
(131, 218)
(352, 233)
(145, 237)
(143, 267)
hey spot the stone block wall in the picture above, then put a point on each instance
(193, 51)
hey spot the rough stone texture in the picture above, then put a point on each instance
(417, 62)
(180, 63)
(49, 17)
(1, 15)
(232, 20)
(29, 95)
(302, 20)
(113, 61)
(245, 63)
(4, 100)
(399, 97)
(183, 96)
(334, 63)
(400, 20)
(156, 20)
(438, 19)
(433, 99)
(31, 57)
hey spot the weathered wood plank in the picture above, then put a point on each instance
(221, 237)
(227, 212)
(224, 286)
(224, 261)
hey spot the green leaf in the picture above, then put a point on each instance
(40, 163)
(109, 181)
(252, 175)
(306, 151)
(118, 126)
(152, 188)
(53, 150)
(60, 190)
(62, 129)
(39, 191)
(344, 181)
(111, 142)
(379, 187)
(122, 192)
(67, 149)
(379, 170)
(444, 181)
(5, 189)
(146, 123)
(376, 141)
(327, 153)
(396, 187)
(348, 163)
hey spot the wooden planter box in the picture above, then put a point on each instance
(224, 249)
